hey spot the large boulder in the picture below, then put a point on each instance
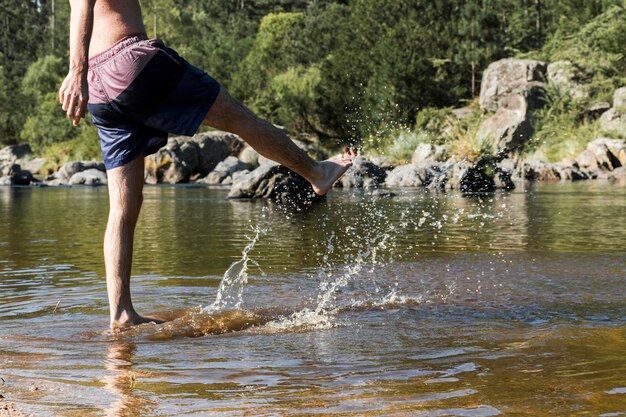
(427, 155)
(362, 174)
(408, 176)
(273, 181)
(183, 157)
(619, 100)
(519, 77)
(509, 127)
(12, 153)
(90, 177)
(568, 77)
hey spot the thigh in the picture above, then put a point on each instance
(230, 115)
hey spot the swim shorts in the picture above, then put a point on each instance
(139, 91)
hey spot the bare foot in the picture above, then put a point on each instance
(330, 171)
(133, 320)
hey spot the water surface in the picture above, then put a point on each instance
(425, 304)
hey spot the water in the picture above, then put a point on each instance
(421, 305)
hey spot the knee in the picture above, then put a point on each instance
(126, 208)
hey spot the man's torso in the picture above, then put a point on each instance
(113, 20)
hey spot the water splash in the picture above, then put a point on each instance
(230, 292)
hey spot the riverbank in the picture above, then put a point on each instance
(9, 409)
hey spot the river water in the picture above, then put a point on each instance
(424, 304)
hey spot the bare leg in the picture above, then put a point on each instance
(230, 115)
(125, 197)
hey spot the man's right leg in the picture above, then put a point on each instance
(125, 198)
(232, 116)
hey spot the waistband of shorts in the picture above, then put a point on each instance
(119, 46)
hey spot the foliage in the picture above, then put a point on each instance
(343, 71)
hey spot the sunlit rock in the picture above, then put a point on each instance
(518, 77)
(362, 174)
(90, 177)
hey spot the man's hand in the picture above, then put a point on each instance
(74, 94)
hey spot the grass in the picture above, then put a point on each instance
(82, 148)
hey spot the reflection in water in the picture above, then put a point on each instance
(120, 380)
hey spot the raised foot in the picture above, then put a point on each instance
(330, 171)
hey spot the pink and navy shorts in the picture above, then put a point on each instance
(139, 91)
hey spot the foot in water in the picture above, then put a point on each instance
(330, 171)
(129, 320)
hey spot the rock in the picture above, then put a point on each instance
(571, 173)
(214, 147)
(616, 146)
(619, 100)
(509, 128)
(427, 155)
(383, 161)
(519, 77)
(472, 178)
(34, 166)
(594, 112)
(249, 156)
(224, 170)
(613, 121)
(535, 170)
(362, 174)
(615, 118)
(463, 112)
(12, 174)
(408, 176)
(274, 182)
(568, 77)
(12, 153)
(185, 157)
(90, 177)
(379, 193)
(568, 163)
(587, 160)
(605, 158)
(68, 170)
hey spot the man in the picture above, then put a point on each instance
(138, 90)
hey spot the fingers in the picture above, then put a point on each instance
(81, 109)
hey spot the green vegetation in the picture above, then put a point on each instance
(336, 70)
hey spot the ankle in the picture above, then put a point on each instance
(124, 318)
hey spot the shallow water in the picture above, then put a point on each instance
(425, 304)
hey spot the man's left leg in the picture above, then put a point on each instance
(125, 198)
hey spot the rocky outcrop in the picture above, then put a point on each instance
(276, 183)
(509, 128)
(186, 157)
(512, 89)
(69, 174)
(518, 77)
